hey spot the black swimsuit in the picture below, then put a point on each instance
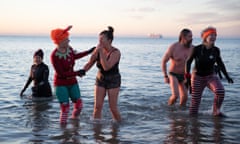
(108, 79)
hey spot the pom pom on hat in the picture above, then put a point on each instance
(59, 34)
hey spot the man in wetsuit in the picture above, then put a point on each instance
(177, 53)
(39, 75)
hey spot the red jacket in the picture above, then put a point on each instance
(63, 65)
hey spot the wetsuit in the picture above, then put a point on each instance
(204, 76)
(108, 79)
(39, 75)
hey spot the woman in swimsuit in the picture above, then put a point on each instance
(108, 78)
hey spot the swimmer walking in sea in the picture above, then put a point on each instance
(177, 53)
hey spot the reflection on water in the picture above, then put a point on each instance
(194, 129)
(38, 119)
(109, 137)
(210, 132)
(217, 133)
(195, 133)
(71, 135)
(178, 130)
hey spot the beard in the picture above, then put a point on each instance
(188, 44)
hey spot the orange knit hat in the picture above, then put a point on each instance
(206, 32)
(59, 35)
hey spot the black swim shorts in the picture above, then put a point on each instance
(108, 81)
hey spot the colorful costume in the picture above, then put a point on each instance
(204, 75)
(65, 81)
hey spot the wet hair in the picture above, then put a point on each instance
(183, 33)
(108, 33)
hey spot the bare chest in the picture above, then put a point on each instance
(180, 54)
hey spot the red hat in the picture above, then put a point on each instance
(206, 32)
(59, 35)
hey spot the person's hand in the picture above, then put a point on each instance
(230, 80)
(166, 79)
(91, 49)
(187, 82)
(100, 49)
(81, 72)
(21, 94)
(100, 46)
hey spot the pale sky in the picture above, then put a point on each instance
(128, 17)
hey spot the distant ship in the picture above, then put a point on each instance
(155, 36)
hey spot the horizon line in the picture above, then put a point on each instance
(120, 36)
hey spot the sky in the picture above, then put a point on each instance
(128, 17)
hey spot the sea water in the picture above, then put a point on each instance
(142, 100)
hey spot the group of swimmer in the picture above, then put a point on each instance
(108, 78)
(208, 63)
(66, 87)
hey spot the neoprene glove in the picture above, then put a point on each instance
(230, 80)
(187, 77)
(91, 50)
(21, 94)
(81, 72)
(188, 82)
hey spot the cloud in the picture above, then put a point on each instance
(140, 13)
(146, 9)
(214, 11)
(137, 17)
(141, 10)
(226, 6)
(209, 17)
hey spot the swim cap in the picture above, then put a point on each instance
(206, 32)
(59, 34)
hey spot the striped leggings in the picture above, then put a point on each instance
(198, 84)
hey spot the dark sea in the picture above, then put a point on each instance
(147, 119)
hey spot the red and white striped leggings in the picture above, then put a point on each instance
(198, 84)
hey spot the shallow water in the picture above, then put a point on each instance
(142, 101)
